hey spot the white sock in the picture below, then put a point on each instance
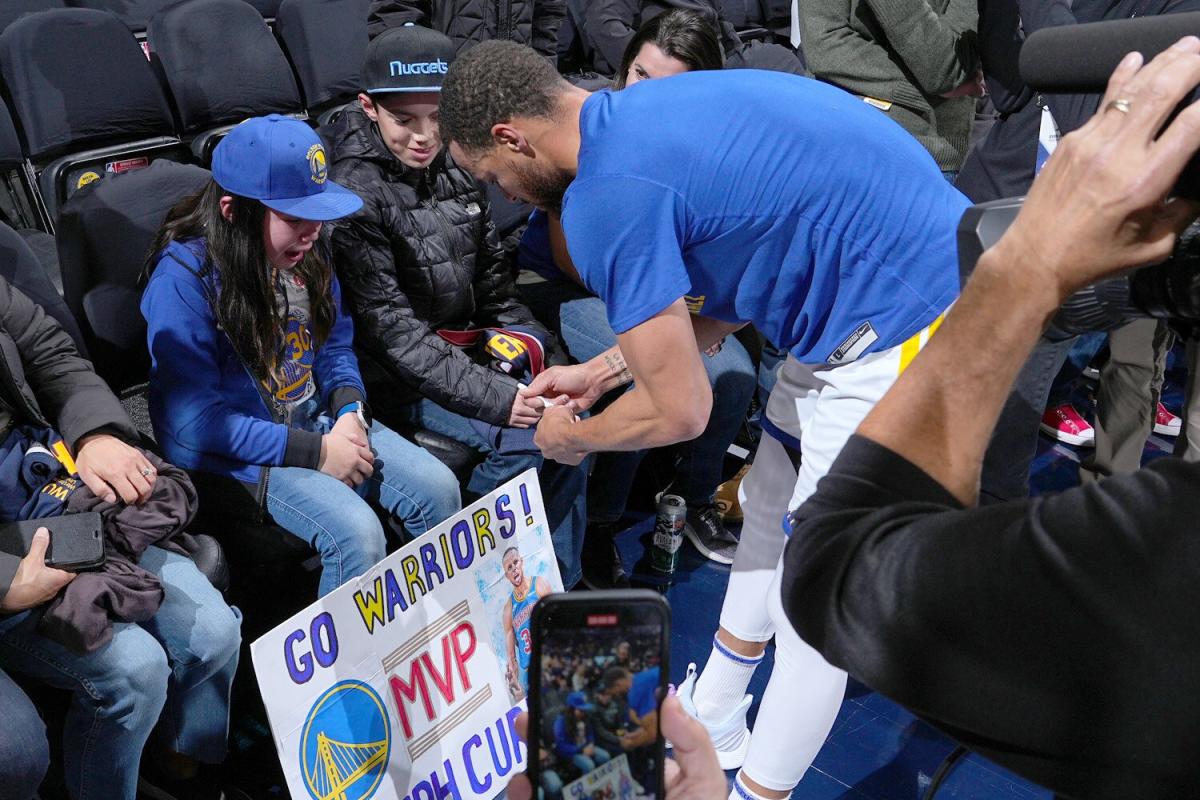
(741, 791)
(722, 684)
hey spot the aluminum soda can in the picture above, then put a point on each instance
(668, 534)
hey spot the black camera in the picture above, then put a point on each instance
(1080, 59)
(1170, 290)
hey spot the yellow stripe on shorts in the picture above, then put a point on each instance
(914, 343)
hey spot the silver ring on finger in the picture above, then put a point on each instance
(1121, 104)
(147, 471)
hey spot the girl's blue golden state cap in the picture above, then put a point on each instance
(280, 162)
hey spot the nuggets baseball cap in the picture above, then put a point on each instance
(407, 59)
(281, 162)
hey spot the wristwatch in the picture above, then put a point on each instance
(359, 409)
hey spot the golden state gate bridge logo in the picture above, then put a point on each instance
(345, 745)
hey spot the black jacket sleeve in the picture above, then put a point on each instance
(1029, 630)
(609, 25)
(387, 329)
(548, 16)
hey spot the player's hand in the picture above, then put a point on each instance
(346, 458)
(111, 468)
(526, 410)
(577, 385)
(34, 583)
(1099, 205)
(553, 436)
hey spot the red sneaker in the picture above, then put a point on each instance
(1166, 423)
(1067, 425)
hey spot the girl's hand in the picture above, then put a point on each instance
(346, 458)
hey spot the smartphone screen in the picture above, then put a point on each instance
(602, 660)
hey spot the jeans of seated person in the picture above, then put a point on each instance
(174, 671)
(586, 764)
(340, 523)
(24, 751)
(564, 488)
(1065, 387)
(582, 322)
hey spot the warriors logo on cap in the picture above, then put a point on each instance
(317, 163)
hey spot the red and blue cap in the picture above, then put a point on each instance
(280, 162)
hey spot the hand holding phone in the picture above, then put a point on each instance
(34, 582)
(600, 669)
(76, 540)
(693, 772)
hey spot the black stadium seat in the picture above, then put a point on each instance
(135, 14)
(103, 235)
(21, 267)
(85, 97)
(326, 41)
(10, 10)
(267, 8)
(223, 65)
(18, 203)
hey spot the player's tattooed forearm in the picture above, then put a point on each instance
(618, 368)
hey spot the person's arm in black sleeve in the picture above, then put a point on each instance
(387, 328)
(609, 24)
(1010, 626)
(548, 16)
(75, 400)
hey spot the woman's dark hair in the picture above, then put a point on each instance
(246, 309)
(686, 35)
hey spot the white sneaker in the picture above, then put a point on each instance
(730, 736)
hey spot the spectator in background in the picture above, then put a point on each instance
(533, 23)
(914, 60)
(574, 736)
(669, 44)
(604, 29)
(252, 372)
(422, 258)
(119, 688)
(1004, 165)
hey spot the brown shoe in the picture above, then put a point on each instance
(727, 497)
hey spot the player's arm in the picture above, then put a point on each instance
(510, 637)
(644, 733)
(542, 586)
(670, 401)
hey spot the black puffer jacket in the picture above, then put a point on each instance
(530, 22)
(422, 255)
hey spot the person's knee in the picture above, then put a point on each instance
(24, 751)
(216, 637)
(443, 492)
(358, 537)
(137, 686)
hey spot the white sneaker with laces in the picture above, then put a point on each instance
(730, 736)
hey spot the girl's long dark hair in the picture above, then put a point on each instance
(683, 34)
(246, 308)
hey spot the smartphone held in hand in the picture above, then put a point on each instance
(76, 540)
(601, 673)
